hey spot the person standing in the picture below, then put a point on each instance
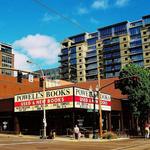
(76, 132)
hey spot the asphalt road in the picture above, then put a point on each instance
(21, 143)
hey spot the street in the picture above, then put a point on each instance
(24, 143)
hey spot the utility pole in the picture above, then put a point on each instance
(100, 106)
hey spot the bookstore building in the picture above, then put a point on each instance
(66, 106)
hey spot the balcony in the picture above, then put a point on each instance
(90, 61)
(91, 67)
(91, 73)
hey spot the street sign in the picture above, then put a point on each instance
(90, 110)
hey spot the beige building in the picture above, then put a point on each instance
(6, 59)
(106, 51)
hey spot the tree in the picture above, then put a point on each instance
(135, 82)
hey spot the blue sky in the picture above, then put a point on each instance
(36, 32)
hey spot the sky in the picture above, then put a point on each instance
(35, 32)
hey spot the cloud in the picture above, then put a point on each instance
(82, 11)
(121, 3)
(47, 18)
(100, 4)
(93, 20)
(20, 61)
(41, 47)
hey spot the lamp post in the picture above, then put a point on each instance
(100, 105)
(44, 101)
(94, 95)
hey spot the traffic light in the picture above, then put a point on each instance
(41, 82)
(19, 76)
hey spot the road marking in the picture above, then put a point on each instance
(130, 147)
(21, 143)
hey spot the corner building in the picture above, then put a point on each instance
(21, 107)
(85, 56)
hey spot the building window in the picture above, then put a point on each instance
(146, 46)
(145, 40)
(135, 31)
(73, 49)
(136, 43)
(147, 61)
(100, 51)
(80, 72)
(107, 32)
(80, 54)
(125, 45)
(92, 41)
(80, 66)
(99, 45)
(126, 58)
(125, 52)
(124, 39)
(136, 50)
(144, 32)
(79, 48)
(80, 60)
(146, 54)
(80, 79)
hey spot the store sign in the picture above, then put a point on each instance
(54, 99)
(59, 99)
(83, 99)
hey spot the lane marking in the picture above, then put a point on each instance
(130, 147)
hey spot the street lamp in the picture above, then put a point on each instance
(44, 101)
(100, 106)
(94, 95)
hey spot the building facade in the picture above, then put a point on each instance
(106, 51)
(22, 107)
(6, 59)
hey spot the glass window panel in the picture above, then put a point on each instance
(73, 50)
(92, 41)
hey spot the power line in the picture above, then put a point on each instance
(60, 15)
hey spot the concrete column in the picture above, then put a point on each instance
(16, 125)
(109, 120)
(121, 121)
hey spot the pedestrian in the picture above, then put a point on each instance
(139, 130)
(147, 130)
(76, 132)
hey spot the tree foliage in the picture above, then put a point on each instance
(138, 90)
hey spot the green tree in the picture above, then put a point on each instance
(135, 82)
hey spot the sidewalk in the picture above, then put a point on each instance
(61, 138)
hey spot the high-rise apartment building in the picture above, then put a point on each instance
(52, 74)
(6, 59)
(85, 56)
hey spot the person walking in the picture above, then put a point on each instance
(147, 130)
(76, 132)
